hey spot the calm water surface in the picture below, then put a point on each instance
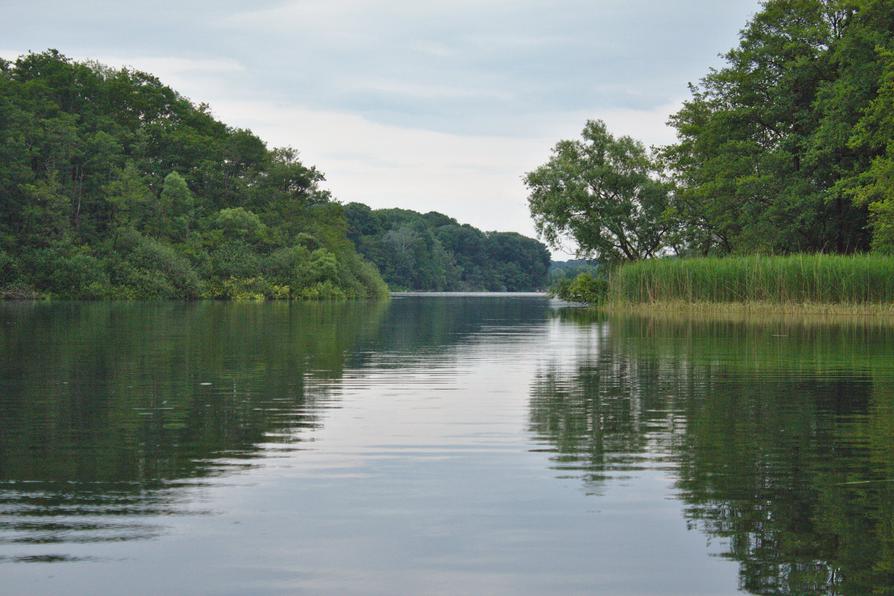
(438, 444)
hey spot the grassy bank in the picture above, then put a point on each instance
(820, 283)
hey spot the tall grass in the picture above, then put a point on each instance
(795, 279)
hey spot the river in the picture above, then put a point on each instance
(441, 445)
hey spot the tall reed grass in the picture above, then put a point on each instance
(795, 279)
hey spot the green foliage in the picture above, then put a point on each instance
(875, 186)
(61, 271)
(586, 288)
(176, 204)
(368, 278)
(324, 290)
(238, 222)
(432, 251)
(882, 215)
(773, 146)
(233, 258)
(129, 200)
(146, 269)
(7, 268)
(243, 289)
(561, 270)
(605, 193)
(835, 279)
(287, 265)
(112, 185)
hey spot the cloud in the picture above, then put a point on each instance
(421, 90)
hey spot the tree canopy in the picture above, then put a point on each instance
(604, 192)
(112, 185)
(773, 145)
(432, 251)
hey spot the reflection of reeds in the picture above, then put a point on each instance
(766, 342)
(756, 311)
(811, 283)
(579, 315)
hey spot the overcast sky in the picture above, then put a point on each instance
(422, 104)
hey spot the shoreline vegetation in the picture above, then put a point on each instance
(803, 284)
(744, 310)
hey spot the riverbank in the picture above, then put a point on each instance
(822, 284)
(861, 285)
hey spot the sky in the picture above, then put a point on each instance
(420, 104)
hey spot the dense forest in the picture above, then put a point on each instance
(431, 251)
(787, 148)
(115, 186)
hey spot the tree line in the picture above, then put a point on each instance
(432, 251)
(787, 148)
(113, 185)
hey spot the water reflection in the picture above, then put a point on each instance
(443, 437)
(115, 417)
(780, 436)
(112, 413)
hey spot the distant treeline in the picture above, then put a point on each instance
(112, 185)
(566, 270)
(432, 251)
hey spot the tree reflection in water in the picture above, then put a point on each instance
(779, 435)
(111, 411)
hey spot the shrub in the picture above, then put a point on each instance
(144, 268)
(252, 289)
(234, 259)
(287, 266)
(370, 283)
(325, 290)
(7, 268)
(68, 272)
(238, 222)
(583, 288)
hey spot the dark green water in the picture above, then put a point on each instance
(440, 445)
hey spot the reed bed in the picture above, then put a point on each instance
(857, 280)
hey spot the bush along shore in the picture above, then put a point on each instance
(820, 282)
(114, 186)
